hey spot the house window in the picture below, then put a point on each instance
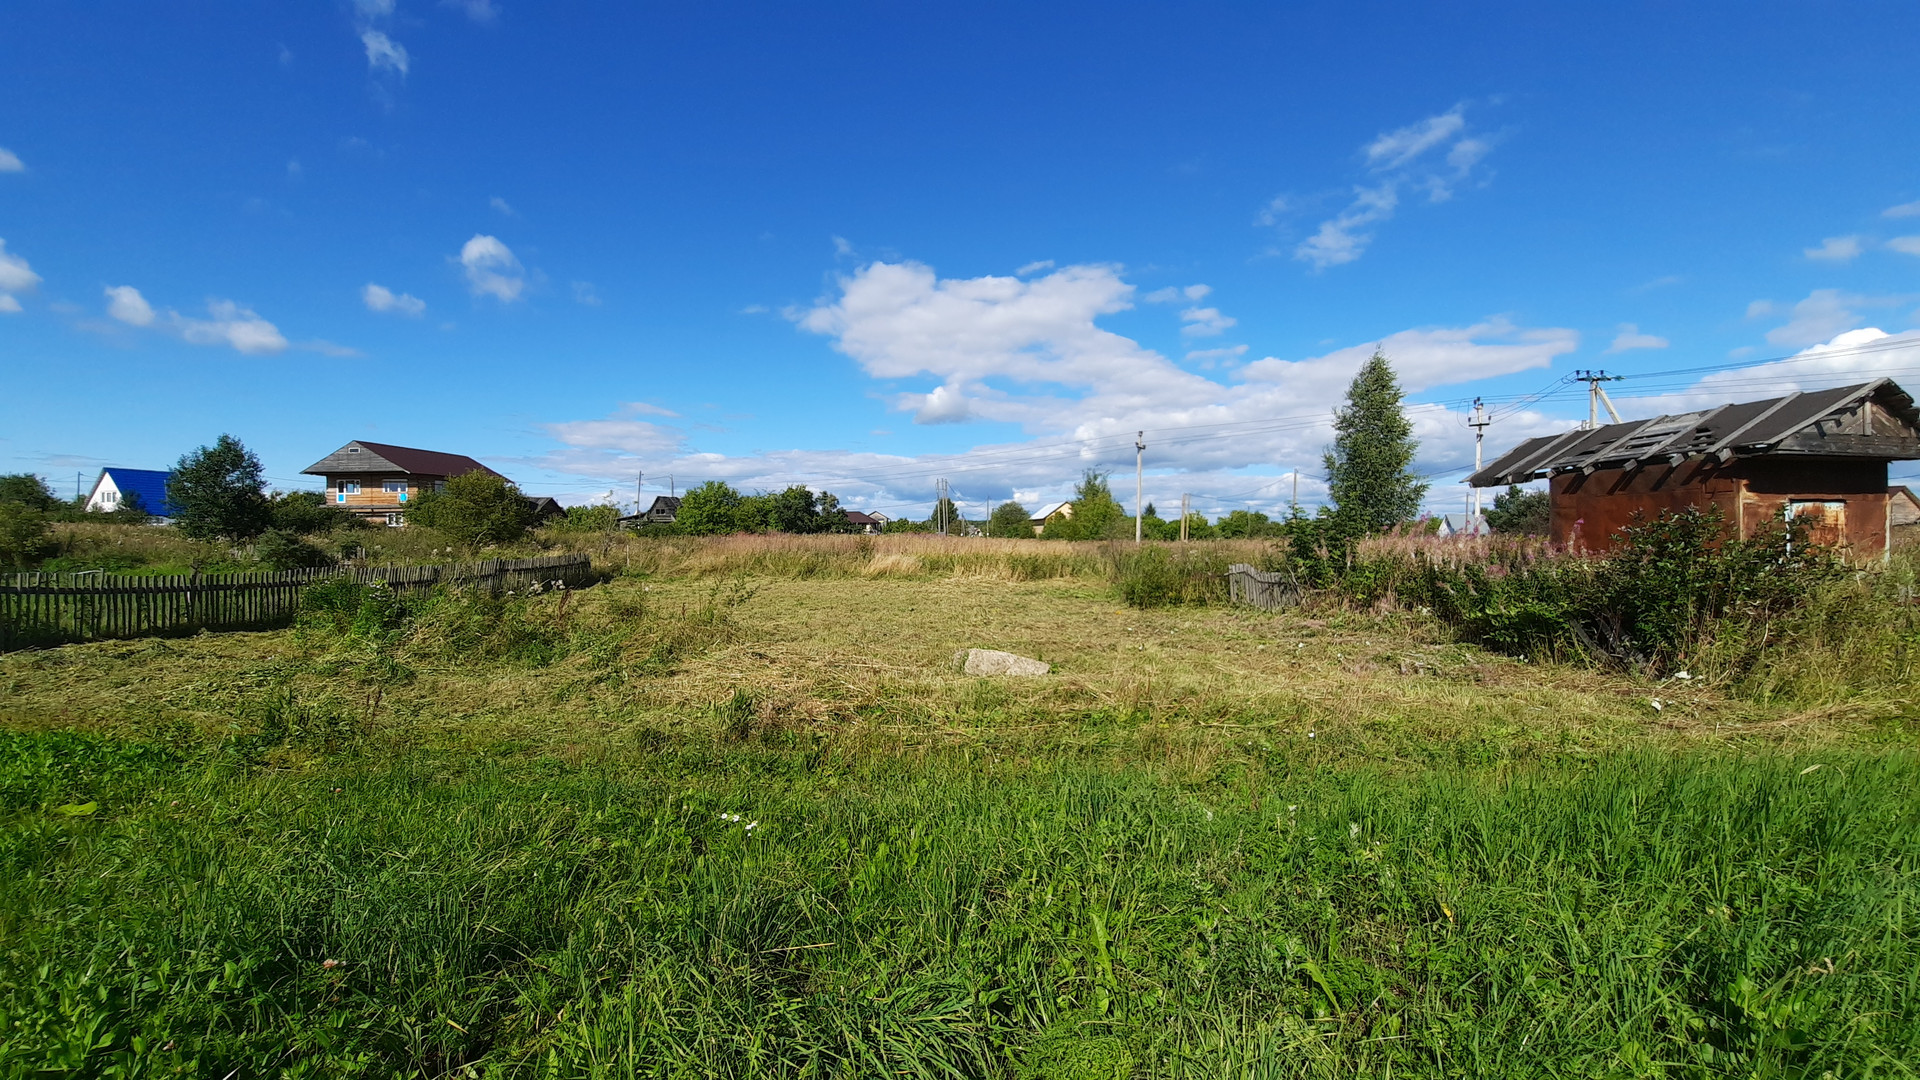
(346, 488)
(394, 521)
(395, 487)
(439, 485)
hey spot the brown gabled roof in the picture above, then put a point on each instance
(1821, 423)
(861, 517)
(373, 457)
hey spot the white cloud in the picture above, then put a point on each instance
(1396, 148)
(1402, 159)
(480, 11)
(1630, 337)
(1209, 357)
(373, 9)
(125, 304)
(491, 269)
(1905, 245)
(1836, 249)
(231, 324)
(1824, 314)
(1276, 209)
(1904, 210)
(1339, 239)
(227, 323)
(841, 247)
(585, 293)
(15, 275)
(381, 298)
(1001, 349)
(384, 52)
(501, 205)
(10, 161)
(9, 305)
(1851, 356)
(1035, 267)
(1205, 322)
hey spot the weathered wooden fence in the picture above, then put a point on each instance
(1263, 589)
(52, 609)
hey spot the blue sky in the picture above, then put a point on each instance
(864, 246)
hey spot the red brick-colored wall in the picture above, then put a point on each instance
(1588, 511)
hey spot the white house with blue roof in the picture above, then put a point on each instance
(117, 486)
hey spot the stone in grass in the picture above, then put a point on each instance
(995, 662)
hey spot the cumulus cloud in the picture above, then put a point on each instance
(226, 323)
(125, 304)
(1851, 356)
(1904, 210)
(1836, 249)
(501, 205)
(1405, 159)
(491, 269)
(1630, 337)
(382, 299)
(10, 161)
(15, 277)
(384, 52)
(1905, 245)
(1824, 314)
(1032, 353)
(1205, 322)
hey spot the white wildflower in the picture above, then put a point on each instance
(1655, 702)
(1353, 830)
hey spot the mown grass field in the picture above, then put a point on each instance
(500, 839)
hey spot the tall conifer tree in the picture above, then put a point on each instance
(1368, 470)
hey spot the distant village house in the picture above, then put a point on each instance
(376, 481)
(117, 488)
(1056, 512)
(1819, 457)
(864, 522)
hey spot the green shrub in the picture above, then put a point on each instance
(278, 549)
(1671, 589)
(475, 508)
(1156, 575)
(24, 536)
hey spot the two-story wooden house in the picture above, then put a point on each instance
(376, 481)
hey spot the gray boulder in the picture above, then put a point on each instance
(995, 662)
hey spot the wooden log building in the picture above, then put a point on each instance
(376, 481)
(1819, 456)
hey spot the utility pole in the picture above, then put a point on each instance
(940, 506)
(639, 500)
(1296, 490)
(1186, 501)
(1479, 424)
(1139, 456)
(672, 492)
(1597, 397)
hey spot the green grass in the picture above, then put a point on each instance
(480, 837)
(952, 915)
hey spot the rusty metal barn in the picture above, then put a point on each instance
(1820, 456)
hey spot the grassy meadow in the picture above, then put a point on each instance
(736, 813)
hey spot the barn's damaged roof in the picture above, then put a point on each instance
(1821, 423)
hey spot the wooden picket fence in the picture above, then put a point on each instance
(53, 609)
(1263, 589)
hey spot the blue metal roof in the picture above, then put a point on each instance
(149, 484)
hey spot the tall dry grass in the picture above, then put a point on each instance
(910, 555)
